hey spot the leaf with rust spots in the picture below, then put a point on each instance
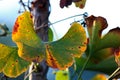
(10, 63)
(73, 44)
(30, 46)
(15, 29)
(80, 4)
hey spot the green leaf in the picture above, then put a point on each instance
(103, 66)
(50, 34)
(106, 66)
(60, 53)
(102, 54)
(79, 62)
(10, 63)
(30, 46)
(111, 39)
(100, 61)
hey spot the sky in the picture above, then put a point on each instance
(106, 8)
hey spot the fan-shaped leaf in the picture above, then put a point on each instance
(111, 39)
(31, 48)
(10, 63)
(29, 44)
(95, 26)
(98, 56)
(60, 53)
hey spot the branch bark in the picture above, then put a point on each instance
(41, 10)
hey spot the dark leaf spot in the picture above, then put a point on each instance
(28, 31)
(13, 65)
(65, 73)
(16, 61)
(81, 6)
(15, 28)
(75, 30)
(31, 16)
(72, 48)
(85, 42)
(117, 51)
(79, 47)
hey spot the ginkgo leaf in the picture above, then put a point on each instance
(95, 26)
(10, 63)
(98, 56)
(60, 53)
(80, 4)
(111, 39)
(30, 46)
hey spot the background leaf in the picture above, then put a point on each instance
(62, 75)
(4, 31)
(95, 26)
(80, 4)
(10, 63)
(103, 66)
(102, 54)
(50, 34)
(60, 53)
(111, 39)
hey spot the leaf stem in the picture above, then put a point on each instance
(110, 77)
(29, 74)
(84, 66)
